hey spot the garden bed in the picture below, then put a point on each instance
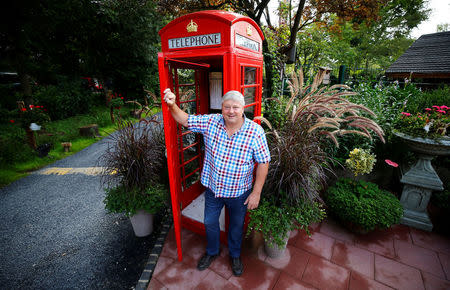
(17, 159)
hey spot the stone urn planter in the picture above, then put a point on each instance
(142, 223)
(421, 179)
(273, 250)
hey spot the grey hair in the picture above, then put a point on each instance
(235, 96)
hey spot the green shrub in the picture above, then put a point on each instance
(363, 205)
(129, 201)
(66, 99)
(13, 147)
(7, 116)
(427, 99)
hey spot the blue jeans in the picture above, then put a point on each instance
(237, 210)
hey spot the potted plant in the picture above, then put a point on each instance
(275, 217)
(362, 206)
(133, 171)
(139, 205)
(426, 134)
(432, 123)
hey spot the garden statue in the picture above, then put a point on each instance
(426, 135)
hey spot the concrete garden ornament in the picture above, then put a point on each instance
(427, 135)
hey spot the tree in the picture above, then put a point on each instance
(382, 42)
(112, 39)
(332, 15)
(124, 45)
(443, 27)
(365, 44)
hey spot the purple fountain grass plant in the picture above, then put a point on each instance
(299, 164)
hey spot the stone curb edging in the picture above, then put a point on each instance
(147, 273)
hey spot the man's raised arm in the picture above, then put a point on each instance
(179, 115)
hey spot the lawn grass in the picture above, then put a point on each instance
(18, 160)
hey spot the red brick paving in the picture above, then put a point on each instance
(433, 282)
(397, 275)
(421, 258)
(359, 281)
(445, 261)
(286, 282)
(354, 258)
(332, 229)
(323, 274)
(156, 285)
(332, 258)
(293, 262)
(214, 281)
(318, 244)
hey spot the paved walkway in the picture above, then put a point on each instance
(56, 234)
(332, 258)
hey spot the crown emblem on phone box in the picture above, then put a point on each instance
(192, 26)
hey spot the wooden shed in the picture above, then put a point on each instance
(426, 61)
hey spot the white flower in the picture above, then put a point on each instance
(427, 126)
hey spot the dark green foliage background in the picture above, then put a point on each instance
(66, 99)
(115, 41)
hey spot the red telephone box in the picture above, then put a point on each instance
(204, 55)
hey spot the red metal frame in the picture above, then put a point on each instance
(227, 57)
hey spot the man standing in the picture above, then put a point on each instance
(233, 144)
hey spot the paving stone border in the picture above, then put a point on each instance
(147, 273)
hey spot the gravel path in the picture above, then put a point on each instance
(56, 234)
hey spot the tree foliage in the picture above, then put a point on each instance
(330, 16)
(362, 43)
(113, 39)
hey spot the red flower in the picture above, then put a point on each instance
(443, 107)
(441, 111)
(436, 107)
(11, 121)
(24, 110)
(406, 114)
(391, 163)
(121, 98)
(427, 109)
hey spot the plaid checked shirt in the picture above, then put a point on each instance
(229, 161)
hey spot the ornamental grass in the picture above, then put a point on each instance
(299, 164)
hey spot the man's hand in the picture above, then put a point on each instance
(252, 200)
(169, 97)
(179, 116)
